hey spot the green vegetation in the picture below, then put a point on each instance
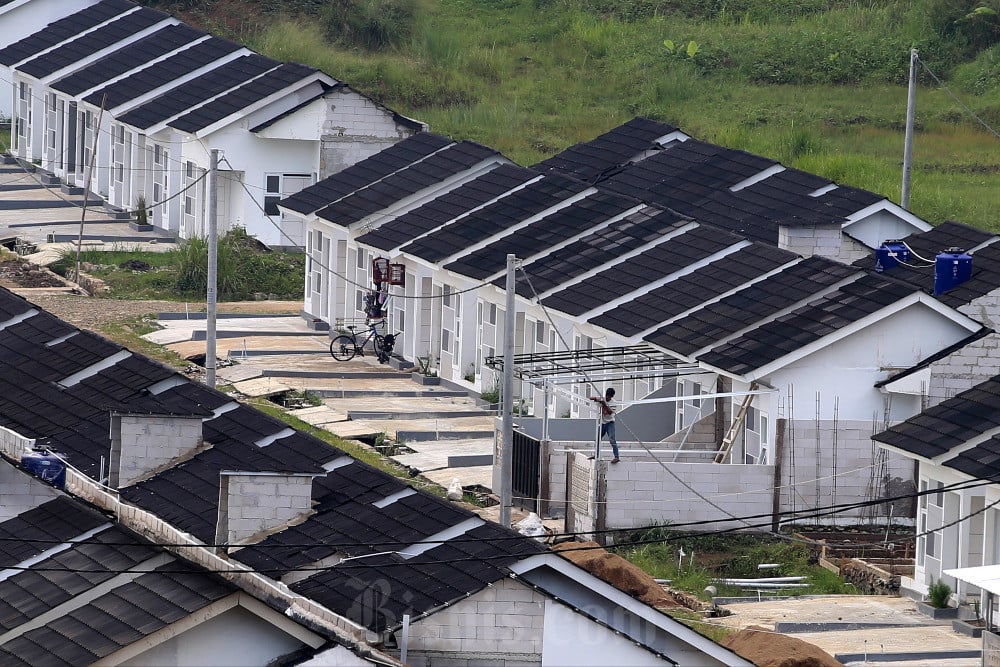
(730, 556)
(817, 84)
(129, 333)
(244, 268)
(938, 593)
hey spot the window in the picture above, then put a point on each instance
(446, 340)
(279, 186)
(22, 91)
(158, 155)
(272, 194)
(362, 260)
(359, 301)
(696, 394)
(446, 296)
(540, 332)
(493, 313)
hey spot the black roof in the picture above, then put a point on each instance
(715, 321)
(406, 181)
(919, 271)
(242, 97)
(163, 73)
(130, 609)
(364, 173)
(538, 237)
(788, 333)
(445, 208)
(495, 218)
(693, 289)
(87, 45)
(949, 424)
(36, 530)
(63, 29)
(182, 97)
(135, 55)
(636, 273)
(596, 249)
(587, 161)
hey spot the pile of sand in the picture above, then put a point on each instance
(768, 649)
(616, 571)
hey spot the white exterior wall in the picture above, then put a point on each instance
(573, 639)
(502, 624)
(22, 18)
(234, 638)
(20, 492)
(880, 226)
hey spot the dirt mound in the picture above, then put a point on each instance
(19, 273)
(616, 571)
(768, 649)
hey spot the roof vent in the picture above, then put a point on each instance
(951, 268)
(890, 254)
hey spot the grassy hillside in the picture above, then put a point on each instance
(817, 84)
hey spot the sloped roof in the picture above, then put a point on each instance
(163, 72)
(87, 45)
(366, 172)
(63, 29)
(89, 557)
(242, 97)
(135, 55)
(494, 218)
(191, 93)
(785, 334)
(919, 271)
(406, 181)
(949, 424)
(589, 160)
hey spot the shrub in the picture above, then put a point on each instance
(938, 593)
(370, 24)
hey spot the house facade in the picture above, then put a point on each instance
(706, 285)
(359, 565)
(130, 102)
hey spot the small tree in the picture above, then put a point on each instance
(938, 594)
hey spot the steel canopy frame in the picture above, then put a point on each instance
(629, 362)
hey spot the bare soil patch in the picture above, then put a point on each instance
(768, 649)
(617, 571)
(21, 273)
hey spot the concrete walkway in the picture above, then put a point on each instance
(444, 433)
(889, 630)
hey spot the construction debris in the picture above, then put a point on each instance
(768, 649)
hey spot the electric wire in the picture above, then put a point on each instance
(959, 102)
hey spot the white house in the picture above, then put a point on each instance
(26, 17)
(701, 282)
(304, 533)
(153, 97)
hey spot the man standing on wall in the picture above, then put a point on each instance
(608, 409)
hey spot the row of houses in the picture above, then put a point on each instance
(191, 529)
(741, 309)
(131, 102)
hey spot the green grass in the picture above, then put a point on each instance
(129, 333)
(726, 556)
(819, 85)
(181, 274)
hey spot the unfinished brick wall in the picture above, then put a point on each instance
(500, 625)
(355, 128)
(141, 444)
(250, 503)
(20, 492)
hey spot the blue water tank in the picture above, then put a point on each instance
(46, 467)
(951, 268)
(890, 254)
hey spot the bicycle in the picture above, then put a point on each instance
(345, 346)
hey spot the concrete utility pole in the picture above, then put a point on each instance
(911, 101)
(213, 267)
(507, 404)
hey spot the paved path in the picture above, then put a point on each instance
(916, 633)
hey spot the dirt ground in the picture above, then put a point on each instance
(616, 571)
(93, 313)
(19, 273)
(767, 649)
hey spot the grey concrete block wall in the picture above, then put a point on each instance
(970, 365)
(141, 444)
(20, 492)
(501, 624)
(838, 467)
(640, 493)
(251, 503)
